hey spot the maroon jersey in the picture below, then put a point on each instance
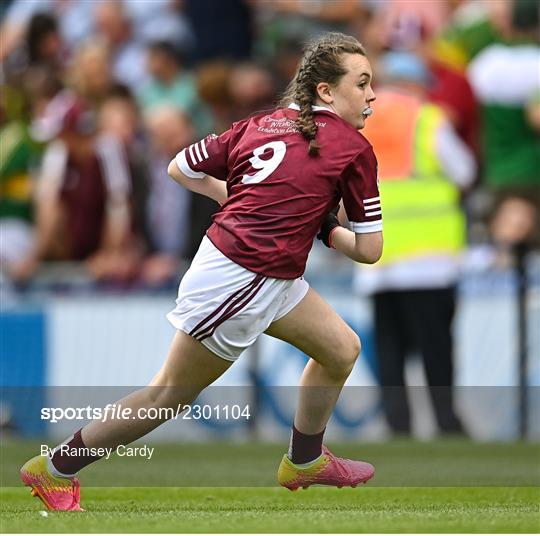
(278, 195)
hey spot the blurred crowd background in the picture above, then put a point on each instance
(97, 98)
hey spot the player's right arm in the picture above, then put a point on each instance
(207, 185)
(202, 167)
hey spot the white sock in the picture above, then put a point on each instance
(54, 471)
(308, 464)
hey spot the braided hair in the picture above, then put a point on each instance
(321, 62)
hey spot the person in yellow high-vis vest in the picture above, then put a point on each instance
(423, 165)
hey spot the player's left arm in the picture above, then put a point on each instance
(360, 193)
(365, 248)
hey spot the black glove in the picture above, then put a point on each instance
(328, 225)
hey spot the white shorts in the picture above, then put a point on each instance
(225, 306)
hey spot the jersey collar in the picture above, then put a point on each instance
(295, 106)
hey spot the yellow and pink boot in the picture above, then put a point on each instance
(55, 493)
(327, 470)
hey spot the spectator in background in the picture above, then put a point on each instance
(82, 210)
(286, 19)
(119, 117)
(167, 206)
(251, 88)
(127, 50)
(90, 73)
(287, 57)
(44, 44)
(40, 87)
(451, 90)
(18, 155)
(515, 222)
(213, 87)
(402, 24)
(222, 30)
(449, 87)
(74, 17)
(414, 26)
(40, 45)
(470, 27)
(422, 167)
(169, 84)
(20, 159)
(514, 229)
(506, 82)
(154, 20)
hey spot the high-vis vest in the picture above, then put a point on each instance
(420, 206)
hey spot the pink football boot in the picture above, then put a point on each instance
(328, 470)
(55, 493)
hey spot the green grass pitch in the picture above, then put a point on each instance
(444, 486)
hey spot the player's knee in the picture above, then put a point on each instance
(354, 347)
(348, 353)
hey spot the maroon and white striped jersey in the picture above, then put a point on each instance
(278, 195)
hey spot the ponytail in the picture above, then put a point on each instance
(321, 62)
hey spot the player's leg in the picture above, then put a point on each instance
(318, 331)
(188, 369)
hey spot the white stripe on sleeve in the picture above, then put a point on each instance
(203, 145)
(184, 167)
(193, 159)
(199, 157)
(366, 226)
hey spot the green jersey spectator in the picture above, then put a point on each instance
(505, 79)
(16, 157)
